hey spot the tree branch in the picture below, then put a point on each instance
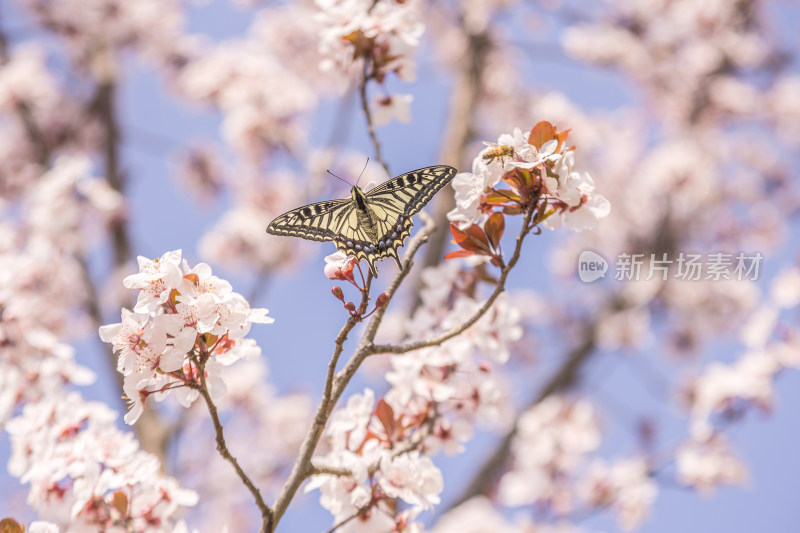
(499, 288)
(362, 90)
(458, 133)
(222, 448)
(335, 383)
(41, 152)
(303, 463)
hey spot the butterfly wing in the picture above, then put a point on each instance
(316, 222)
(413, 189)
(394, 202)
(378, 229)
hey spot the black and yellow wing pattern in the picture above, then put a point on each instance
(371, 225)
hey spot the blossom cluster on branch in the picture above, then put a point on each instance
(186, 326)
(85, 474)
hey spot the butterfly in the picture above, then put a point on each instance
(369, 225)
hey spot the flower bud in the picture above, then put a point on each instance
(337, 293)
(382, 300)
(350, 306)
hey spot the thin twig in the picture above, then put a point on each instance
(314, 470)
(104, 105)
(501, 284)
(362, 89)
(222, 448)
(344, 521)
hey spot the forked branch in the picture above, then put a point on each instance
(335, 383)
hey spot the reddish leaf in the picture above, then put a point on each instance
(473, 239)
(501, 197)
(458, 253)
(9, 525)
(562, 136)
(512, 210)
(120, 502)
(519, 179)
(385, 414)
(541, 133)
(494, 228)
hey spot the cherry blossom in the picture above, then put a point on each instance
(577, 205)
(708, 464)
(80, 466)
(385, 32)
(182, 313)
(625, 486)
(553, 439)
(392, 107)
(338, 265)
(413, 478)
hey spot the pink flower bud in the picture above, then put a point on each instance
(382, 300)
(337, 293)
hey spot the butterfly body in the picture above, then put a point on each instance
(369, 225)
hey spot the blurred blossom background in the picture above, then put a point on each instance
(138, 128)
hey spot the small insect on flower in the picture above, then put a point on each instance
(497, 151)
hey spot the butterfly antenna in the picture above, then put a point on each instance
(362, 172)
(337, 177)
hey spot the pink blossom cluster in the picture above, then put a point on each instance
(709, 43)
(457, 379)
(626, 486)
(378, 37)
(705, 464)
(186, 322)
(96, 29)
(39, 117)
(238, 239)
(552, 442)
(86, 475)
(437, 396)
(723, 392)
(580, 206)
(266, 83)
(259, 95)
(36, 362)
(550, 453)
(372, 463)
